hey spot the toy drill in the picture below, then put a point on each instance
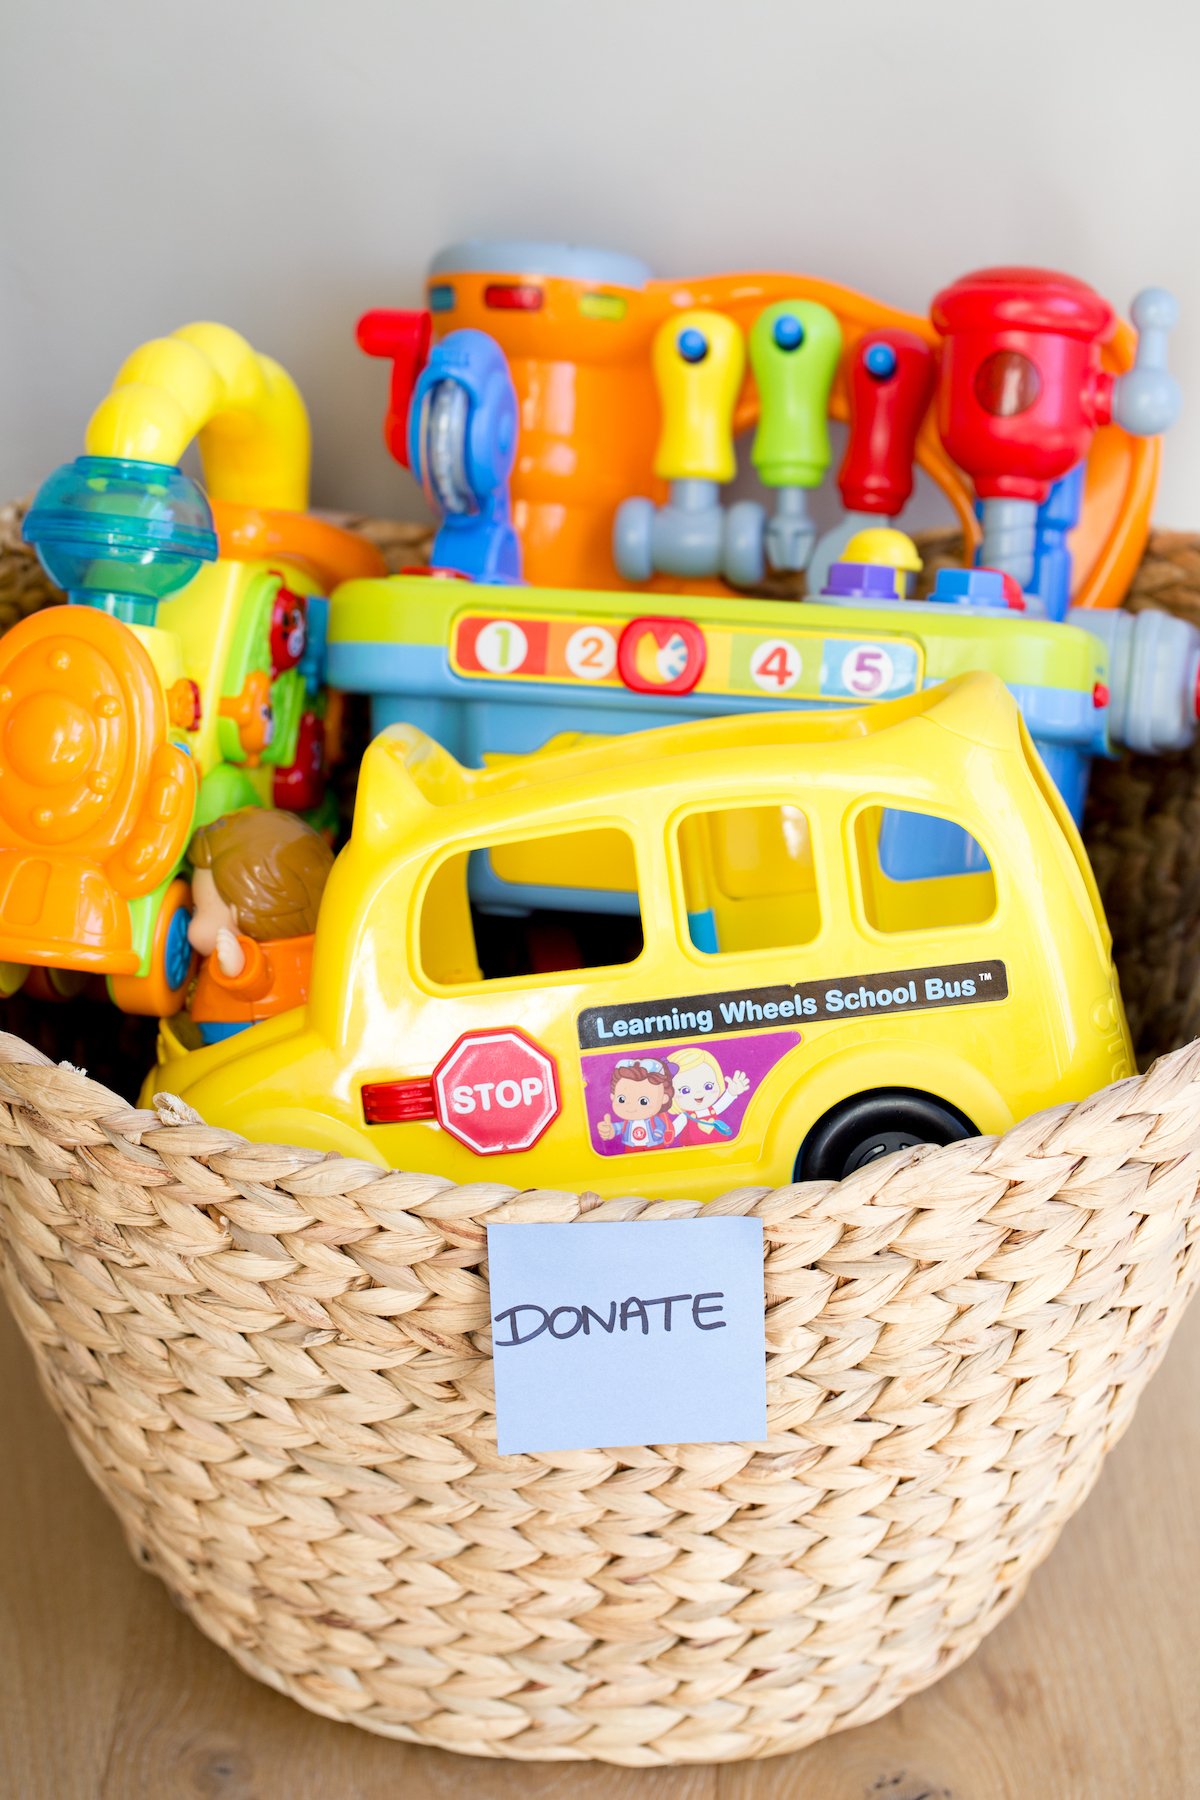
(1021, 391)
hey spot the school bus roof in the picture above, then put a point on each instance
(405, 773)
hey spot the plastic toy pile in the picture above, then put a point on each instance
(644, 863)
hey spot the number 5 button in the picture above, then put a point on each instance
(867, 670)
(851, 671)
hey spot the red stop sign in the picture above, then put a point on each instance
(496, 1091)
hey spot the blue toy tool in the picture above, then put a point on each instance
(462, 443)
(1049, 591)
(1057, 518)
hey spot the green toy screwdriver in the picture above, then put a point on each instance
(795, 346)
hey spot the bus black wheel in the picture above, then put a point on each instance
(873, 1125)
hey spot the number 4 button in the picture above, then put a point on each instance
(775, 666)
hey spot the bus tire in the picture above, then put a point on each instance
(873, 1125)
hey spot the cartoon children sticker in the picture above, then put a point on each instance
(640, 1094)
(702, 1093)
(679, 1096)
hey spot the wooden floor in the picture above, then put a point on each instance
(1090, 1690)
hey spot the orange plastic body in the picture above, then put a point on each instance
(96, 802)
(275, 977)
(590, 420)
(250, 711)
(152, 995)
(324, 551)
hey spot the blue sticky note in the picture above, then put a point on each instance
(646, 1332)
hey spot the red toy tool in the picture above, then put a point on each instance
(1021, 390)
(890, 382)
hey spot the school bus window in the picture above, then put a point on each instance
(749, 880)
(538, 906)
(897, 848)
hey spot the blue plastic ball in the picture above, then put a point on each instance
(789, 332)
(880, 361)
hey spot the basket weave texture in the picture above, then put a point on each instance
(276, 1366)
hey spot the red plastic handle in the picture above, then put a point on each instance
(403, 337)
(890, 380)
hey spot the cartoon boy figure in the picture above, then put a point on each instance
(257, 882)
(702, 1094)
(289, 630)
(640, 1093)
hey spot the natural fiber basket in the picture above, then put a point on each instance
(275, 1364)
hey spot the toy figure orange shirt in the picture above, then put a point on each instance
(257, 880)
(274, 977)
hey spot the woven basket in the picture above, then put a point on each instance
(275, 1365)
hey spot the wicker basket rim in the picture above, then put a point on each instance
(174, 1130)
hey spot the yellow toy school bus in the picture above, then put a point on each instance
(761, 1016)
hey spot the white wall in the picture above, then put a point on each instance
(281, 167)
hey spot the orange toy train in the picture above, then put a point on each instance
(183, 680)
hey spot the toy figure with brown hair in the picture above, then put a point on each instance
(257, 882)
(640, 1093)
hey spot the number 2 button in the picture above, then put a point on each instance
(591, 653)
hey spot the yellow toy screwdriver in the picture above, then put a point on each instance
(699, 361)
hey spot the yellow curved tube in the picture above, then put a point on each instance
(205, 382)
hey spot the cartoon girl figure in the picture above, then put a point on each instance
(702, 1094)
(640, 1094)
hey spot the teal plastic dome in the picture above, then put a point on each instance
(121, 535)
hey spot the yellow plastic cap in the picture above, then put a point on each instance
(881, 544)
